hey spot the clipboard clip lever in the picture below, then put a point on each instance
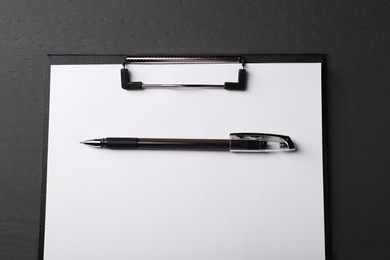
(138, 85)
(260, 142)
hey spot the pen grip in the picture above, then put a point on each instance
(120, 143)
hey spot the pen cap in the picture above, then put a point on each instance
(260, 142)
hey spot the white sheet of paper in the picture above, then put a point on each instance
(107, 204)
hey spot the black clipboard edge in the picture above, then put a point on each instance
(63, 59)
(325, 158)
(42, 217)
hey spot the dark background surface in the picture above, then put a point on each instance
(355, 35)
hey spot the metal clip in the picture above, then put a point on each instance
(138, 85)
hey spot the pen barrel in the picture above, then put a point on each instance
(132, 143)
(183, 144)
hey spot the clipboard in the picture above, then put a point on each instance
(184, 205)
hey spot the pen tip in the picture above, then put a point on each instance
(93, 142)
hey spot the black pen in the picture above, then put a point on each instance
(238, 142)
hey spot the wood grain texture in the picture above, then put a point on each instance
(354, 34)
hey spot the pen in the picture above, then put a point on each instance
(238, 142)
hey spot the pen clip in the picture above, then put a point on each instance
(138, 85)
(266, 142)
